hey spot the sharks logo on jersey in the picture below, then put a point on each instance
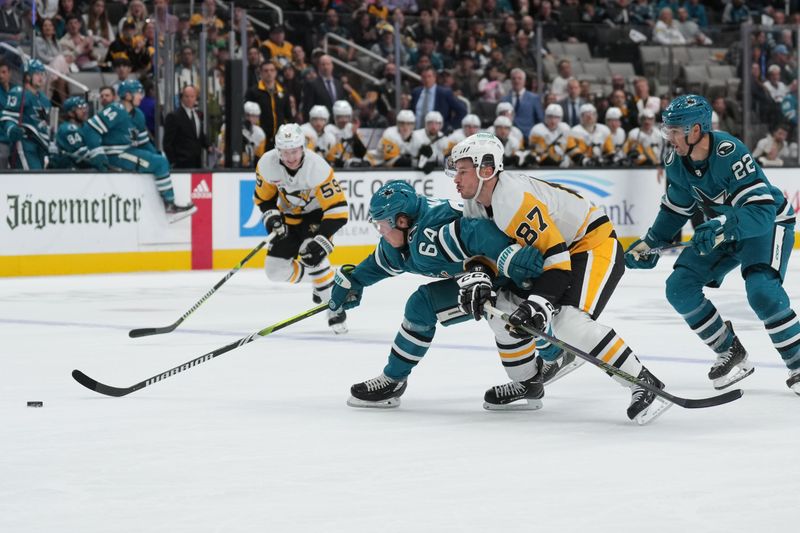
(725, 148)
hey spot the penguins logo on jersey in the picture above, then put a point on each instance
(725, 148)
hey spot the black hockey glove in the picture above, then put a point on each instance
(426, 151)
(536, 313)
(474, 290)
(273, 223)
(313, 251)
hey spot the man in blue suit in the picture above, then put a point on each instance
(527, 106)
(431, 97)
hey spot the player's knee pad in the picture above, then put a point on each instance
(280, 269)
(507, 302)
(577, 328)
(765, 294)
(684, 290)
(419, 309)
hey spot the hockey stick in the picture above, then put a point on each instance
(688, 403)
(144, 332)
(95, 385)
(684, 244)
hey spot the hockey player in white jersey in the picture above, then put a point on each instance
(548, 139)
(470, 125)
(645, 145)
(514, 155)
(254, 140)
(505, 109)
(303, 205)
(583, 261)
(585, 142)
(348, 150)
(428, 144)
(614, 145)
(317, 139)
(395, 143)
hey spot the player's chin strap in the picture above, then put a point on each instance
(692, 145)
(482, 180)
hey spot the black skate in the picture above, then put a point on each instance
(645, 405)
(794, 381)
(555, 370)
(731, 366)
(315, 297)
(337, 322)
(178, 212)
(381, 392)
(509, 396)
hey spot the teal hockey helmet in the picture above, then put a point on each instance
(72, 103)
(32, 66)
(687, 110)
(395, 198)
(129, 87)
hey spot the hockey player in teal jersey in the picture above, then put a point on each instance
(5, 87)
(430, 237)
(72, 149)
(25, 120)
(750, 226)
(119, 135)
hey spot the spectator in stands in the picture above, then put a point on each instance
(186, 72)
(571, 105)
(299, 63)
(423, 27)
(165, 21)
(558, 86)
(430, 97)
(332, 25)
(726, 121)
(96, 24)
(5, 88)
(773, 150)
(774, 86)
(641, 90)
(123, 69)
(643, 13)
(66, 9)
(276, 48)
(385, 46)
(789, 110)
(137, 14)
(209, 7)
(184, 34)
(80, 47)
(697, 12)
(364, 32)
(491, 86)
(253, 64)
(667, 30)
(11, 25)
(49, 51)
(521, 54)
(322, 90)
(465, 78)
(508, 32)
(378, 10)
(527, 106)
(448, 52)
(274, 103)
(184, 138)
(107, 96)
(122, 46)
(293, 88)
(427, 47)
(620, 13)
(782, 58)
(736, 12)
(408, 6)
(690, 29)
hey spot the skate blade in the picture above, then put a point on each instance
(744, 369)
(656, 409)
(383, 404)
(180, 216)
(574, 365)
(519, 405)
(339, 329)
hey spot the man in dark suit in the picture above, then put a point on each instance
(184, 138)
(527, 106)
(572, 103)
(431, 97)
(324, 89)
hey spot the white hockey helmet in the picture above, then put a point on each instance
(502, 121)
(471, 120)
(484, 149)
(646, 113)
(613, 113)
(406, 116)
(434, 116)
(588, 108)
(289, 136)
(714, 120)
(319, 111)
(342, 108)
(554, 110)
(252, 108)
(504, 107)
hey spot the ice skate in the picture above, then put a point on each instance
(178, 212)
(517, 395)
(794, 381)
(381, 392)
(555, 370)
(315, 297)
(645, 405)
(731, 366)
(337, 321)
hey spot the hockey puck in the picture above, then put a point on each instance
(35, 404)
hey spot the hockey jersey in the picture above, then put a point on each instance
(320, 143)
(730, 183)
(394, 150)
(515, 137)
(71, 146)
(35, 113)
(549, 146)
(310, 188)
(583, 144)
(438, 144)
(439, 244)
(114, 130)
(644, 148)
(614, 146)
(348, 148)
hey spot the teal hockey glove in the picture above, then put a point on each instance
(520, 263)
(346, 291)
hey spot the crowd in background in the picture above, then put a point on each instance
(476, 55)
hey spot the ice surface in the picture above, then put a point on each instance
(260, 439)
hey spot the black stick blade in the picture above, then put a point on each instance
(96, 386)
(146, 332)
(700, 403)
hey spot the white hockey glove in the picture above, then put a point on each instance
(474, 290)
(314, 250)
(536, 312)
(273, 223)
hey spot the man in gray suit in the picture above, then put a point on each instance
(572, 103)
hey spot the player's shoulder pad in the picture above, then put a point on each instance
(726, 145)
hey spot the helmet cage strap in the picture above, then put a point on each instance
(687, 130)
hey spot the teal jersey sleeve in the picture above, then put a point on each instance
(677, 204)
(142, 137)
(71, 144)
(384, 262)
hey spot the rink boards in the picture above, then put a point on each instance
(92, 223)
